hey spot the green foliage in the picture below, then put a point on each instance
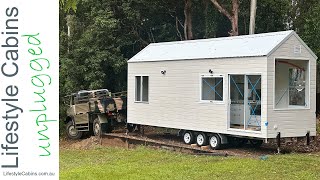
(145, 163)
(91, 58)
(68, 5)
(308, 24)
(272, 15)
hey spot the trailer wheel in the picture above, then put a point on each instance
(96, 127)
(188, 137)
(202, 139)
(215, 141)
(255, 143)
(72, 132)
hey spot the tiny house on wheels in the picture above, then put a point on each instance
(256, 87)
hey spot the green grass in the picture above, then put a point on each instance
(145, 163)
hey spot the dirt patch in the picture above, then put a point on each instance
(89, 143)
(113, 142)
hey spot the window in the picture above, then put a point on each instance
(211, 88)
(297, 87)
(142, 89)
(291, 84)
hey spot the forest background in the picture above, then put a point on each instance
(97, 37)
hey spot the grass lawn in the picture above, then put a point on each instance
(145, 163)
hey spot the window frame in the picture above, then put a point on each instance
(223, 88)
(141, 89)
(258, 73)
(308, 75)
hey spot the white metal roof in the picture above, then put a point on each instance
(226, 47)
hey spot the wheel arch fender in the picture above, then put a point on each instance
(68, 119)
(224, 138)
(181, 132)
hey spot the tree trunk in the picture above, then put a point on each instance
(235, 11)
(188, 20)
(253, 8)
(233, 17)
(206, 5)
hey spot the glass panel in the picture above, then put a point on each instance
(219, 89)
(237, 89)
(145, 88)
(212, 88)
(297, 87)
(253, 109)
(138, 88)
(237, 101)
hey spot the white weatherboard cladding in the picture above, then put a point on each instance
(237, 46)
(292, 123)
(174, 98)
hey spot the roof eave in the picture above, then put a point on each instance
(138, 61)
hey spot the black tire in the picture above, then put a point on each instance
(188, 137)
(202, 139)
(256, 143)
(215, 141)
(96, 127)
(72, 132)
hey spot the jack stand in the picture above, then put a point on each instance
(142, 130)
(278, 142)
(308, 138)
(138, 128)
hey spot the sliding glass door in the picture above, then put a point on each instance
(245, 102)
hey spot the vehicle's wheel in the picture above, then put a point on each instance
(96, 127)
(72, 132)
(202, 139)
(256, 143)
(188, 137)
(215, 141)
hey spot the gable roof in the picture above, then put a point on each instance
(225, 47)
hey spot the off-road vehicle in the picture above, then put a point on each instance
(95, 111)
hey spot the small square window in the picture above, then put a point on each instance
(212, 89)
(142, 88)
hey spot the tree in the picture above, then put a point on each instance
(272, 15)
(188, 20)
(233, 16)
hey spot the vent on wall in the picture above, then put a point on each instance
(297, 49)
